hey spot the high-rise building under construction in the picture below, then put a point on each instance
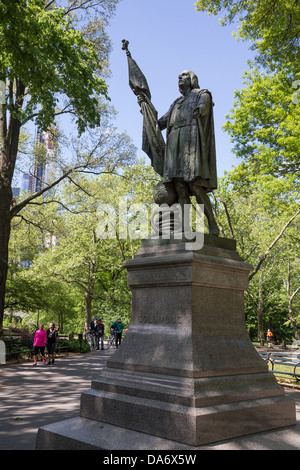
(44, 169)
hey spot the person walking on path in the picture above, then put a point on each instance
(100, 329)
(39, 343)
(118, 327)
(52, 334)
(269, 337)
(93, 333)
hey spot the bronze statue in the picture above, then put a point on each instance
(187, 161)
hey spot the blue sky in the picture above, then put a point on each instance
(166, 37)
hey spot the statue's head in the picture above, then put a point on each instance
(187, 79)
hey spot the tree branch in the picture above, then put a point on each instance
(228, 219)
(14, 211)
(295, 293)
(264, 256)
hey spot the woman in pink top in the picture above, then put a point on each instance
(39, 343)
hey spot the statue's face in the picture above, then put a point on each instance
(184, 80)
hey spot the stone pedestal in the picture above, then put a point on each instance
(187, 371)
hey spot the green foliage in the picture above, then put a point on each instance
(271, 26)
(256, 214)
(265, 125)
(51, 64)
(74, 273)
(50, 57)
(75, 345)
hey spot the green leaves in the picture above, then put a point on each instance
(70, 269)
(263, 216)
(265, 123)
(42, 49)
(271, 26)
(50, 66)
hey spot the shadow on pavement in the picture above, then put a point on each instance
(31, 397)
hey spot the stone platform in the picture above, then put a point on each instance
(187, 373)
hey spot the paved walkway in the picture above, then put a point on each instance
(31, 397)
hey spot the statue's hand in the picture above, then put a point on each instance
(140, 99)
(196, 113)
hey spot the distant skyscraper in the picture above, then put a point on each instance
(44, 164)
(26, 177)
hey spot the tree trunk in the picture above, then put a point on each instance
(9, 141)
(93, 265)
(6, 174)
(260, 323)
(61, 322)
(290, 303)
(260, 326)
(5, 203)
(88, 311)
(9, 149)
(293, 321)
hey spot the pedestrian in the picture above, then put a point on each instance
(52, 334)
(96, 333)
(100, 329)
(39, 343)
(118, 327)
(269, 337)
(92, 333)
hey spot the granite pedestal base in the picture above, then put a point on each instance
(186, 372)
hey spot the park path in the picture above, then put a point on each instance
(32, 397)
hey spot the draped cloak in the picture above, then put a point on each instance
(190, 152)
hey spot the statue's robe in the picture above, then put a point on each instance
(190, 152)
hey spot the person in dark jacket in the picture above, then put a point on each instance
(97, 333)
(52, 334)
(100, 329)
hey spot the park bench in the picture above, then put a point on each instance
(59, 348)
(288, 359)
(20, 353)
(29, 353)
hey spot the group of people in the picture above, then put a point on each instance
(42, 339)
(97, 332)
(47, 338)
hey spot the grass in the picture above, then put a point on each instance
(283, 378)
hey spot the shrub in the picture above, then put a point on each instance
(74, 345)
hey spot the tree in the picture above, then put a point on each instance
(263, 291)
(81, 260)
(271, 25)
(291, 297)
(45, 62)
(263, 218)
(264, 125)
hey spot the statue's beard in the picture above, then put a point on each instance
(183, 89)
